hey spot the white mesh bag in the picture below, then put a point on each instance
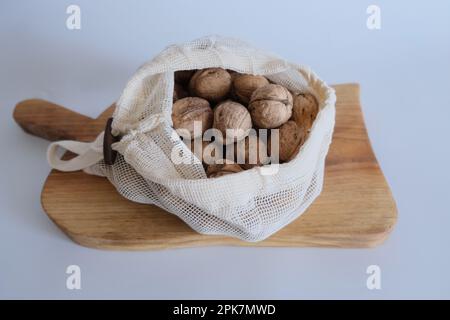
(250, 205)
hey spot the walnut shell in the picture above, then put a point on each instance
(183, 76)
(255, 152)
(270, 106)
(245, 84)
(219, 170)
(305, 109)
(212, 84)
(291, 138)
(188, 110)
(233, 116)
(179, 92)
(233, 74)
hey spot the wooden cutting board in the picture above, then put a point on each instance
(355, 209)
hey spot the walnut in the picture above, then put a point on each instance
(212, 84)
(291, 138)
(179, 92)
(234, 117)
(305, 109)
(183, 76)
(219, 170)
(245, 84)
(233, 74)
(255, 152)
(188, 110)
(270, 106)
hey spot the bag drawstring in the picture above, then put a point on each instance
(89, 153)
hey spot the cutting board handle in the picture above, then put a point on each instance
(52, 122)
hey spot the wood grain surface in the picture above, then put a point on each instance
(355, 209)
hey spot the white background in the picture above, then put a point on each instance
(404, 72)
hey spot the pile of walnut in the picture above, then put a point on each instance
(224, 99)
